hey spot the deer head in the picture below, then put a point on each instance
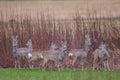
(53, 46)
(29, 44)
(63, 50)
(87, 43)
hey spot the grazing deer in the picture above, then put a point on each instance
(101, 56)
(21, 53)
(74, 54)
(54, 55)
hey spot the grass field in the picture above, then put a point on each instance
(67, 74)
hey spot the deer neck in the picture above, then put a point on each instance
(30, 47)
(86, 48)
(62, 54)
(14, 49)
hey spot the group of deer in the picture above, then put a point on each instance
(100, 54)
(27, 53)
(55, 54)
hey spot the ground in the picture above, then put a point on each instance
(66, 74)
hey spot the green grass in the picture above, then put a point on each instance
(67, 74)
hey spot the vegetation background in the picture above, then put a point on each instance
(52, 20)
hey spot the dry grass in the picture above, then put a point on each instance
(61, 9)
(46, 29)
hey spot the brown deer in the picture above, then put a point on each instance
(101, 56)
(37, 55)
(54, 55)
(74, 54)
(21, 53)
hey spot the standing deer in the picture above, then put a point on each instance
(21, 53)
(101, 56)
(54, 55)
(74, 54)
(37, 55)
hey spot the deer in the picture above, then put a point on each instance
(74, 54)
(54, 55)
(37, 55)
(101, 56)
(21, 53)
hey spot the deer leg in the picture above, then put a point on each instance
(104, 65)
(73, 63)
(25, 65)
(15, 64)
(94, 63)
(52, 65)
(43, 65)
(108, 67)
(30, 64)
(40, 65)
(82, 64)
(100, 64)
(19, 64)
(18, 61)
(70, 63)
(61, 66)
(57, 64)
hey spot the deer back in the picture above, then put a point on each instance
(51, 54)
(78, 52)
